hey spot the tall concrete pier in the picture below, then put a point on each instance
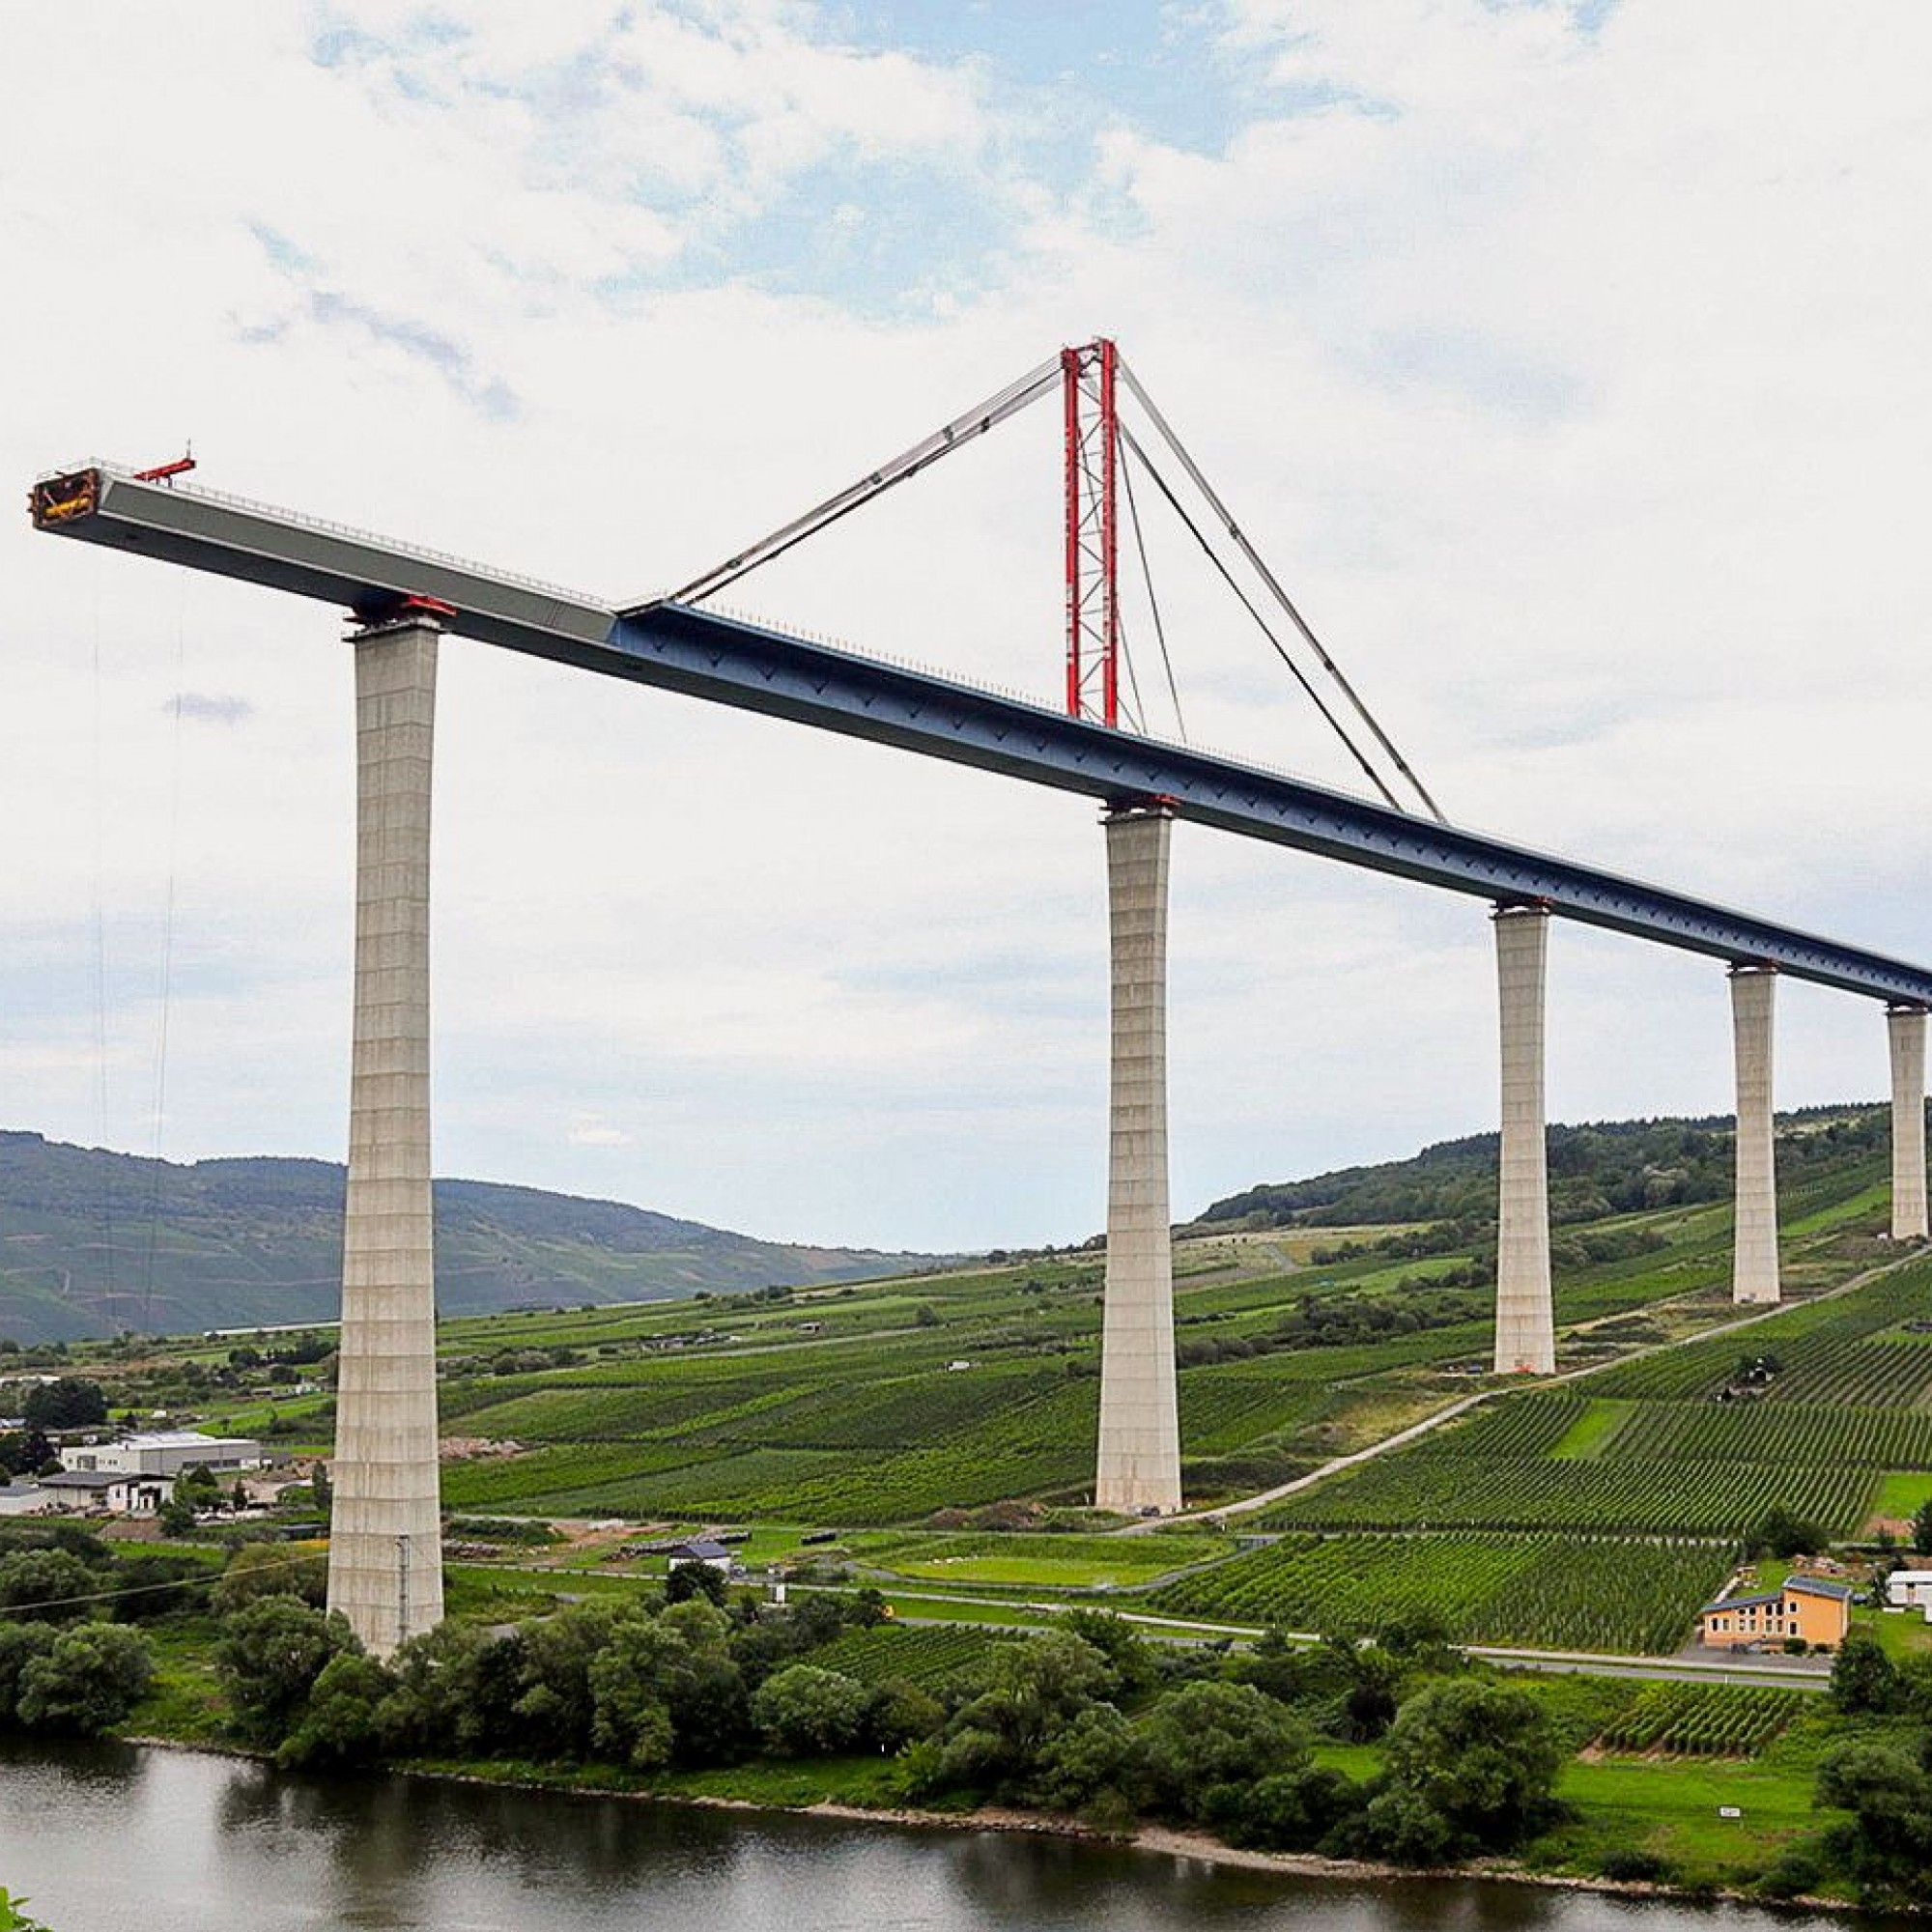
(385, 1547)
(1754, 1250)
(1526, 1322)
(1905, 1027)
(1140, 1426)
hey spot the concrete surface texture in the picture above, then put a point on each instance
(385, 1547)
(1139, 1465)
(1755, 1254)
(1905, 1027)
(1525, 1320)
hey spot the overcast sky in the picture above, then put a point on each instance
(1568, 361)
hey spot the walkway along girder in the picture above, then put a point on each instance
(754, 667)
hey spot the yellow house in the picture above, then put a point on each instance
(1806, 1607)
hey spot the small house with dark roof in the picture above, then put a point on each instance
(1811, 1608)
(700, 1550)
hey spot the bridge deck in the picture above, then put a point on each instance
(679, 648)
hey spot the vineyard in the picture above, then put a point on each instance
(1702, 1721)
(1598, 1594)
(1419, 1489)
(939, 1417)
(927, 1654)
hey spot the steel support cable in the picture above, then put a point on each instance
(1137, 712)
(951, 436)
(1275, 589)
(1335, 724)
(1153, 602)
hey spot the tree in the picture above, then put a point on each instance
(1204, 1737)
(343, 1721)
(554, 1705)
(903, 1714)
(1921, 1527)
(1888, 1794)
(1863, 1678)
(456, 1691)
(43, 1585)
(694, 1579)
(156, 1585)
(1290, 1810)
(69, 1403)
(1481, 1757)
(805, 1711)
(1099, 1753)
(19, 1645)
(268, 1657)
(257, 1569)
(1128, 1654)
(1783, 1532)
(1034, 1690)
(86, 1681)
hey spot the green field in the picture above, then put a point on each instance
(937, 1432)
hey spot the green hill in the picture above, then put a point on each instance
(1596, 1169)
(93, 1241)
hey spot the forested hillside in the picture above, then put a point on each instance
(1598, 1169)
(93, 1241)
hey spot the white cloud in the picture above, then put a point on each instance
(1574, 380)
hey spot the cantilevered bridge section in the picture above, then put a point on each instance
(753, 668)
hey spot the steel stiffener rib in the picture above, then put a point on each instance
(752, 668)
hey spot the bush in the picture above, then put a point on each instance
(1796, 1872)
(804, 1710)
(1481, 1757)
(269, 1655)
(1290, 1810)
(1863, 1678)
(257, 1569)
(86, 1681)
(43, 1585)
(343, 1721)
(1631, 1866)
(19, 1645)
(1205, 1736)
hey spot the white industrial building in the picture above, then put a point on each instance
(165, 1453)
(1910, 1589)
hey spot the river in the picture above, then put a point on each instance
(111, 1838)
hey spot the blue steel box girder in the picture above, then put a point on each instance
(752, 667)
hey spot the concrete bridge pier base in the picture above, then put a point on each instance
(1754, 1252)
(385, 1547)
(1138, 1463)
(1905, 1027)
(1525, 1319)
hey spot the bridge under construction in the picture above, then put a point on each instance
(385, 1567)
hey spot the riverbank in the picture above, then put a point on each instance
(1164, 1840)
(204, 1839)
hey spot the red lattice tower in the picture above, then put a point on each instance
(1093, 534)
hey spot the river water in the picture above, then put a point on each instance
(110, 1838)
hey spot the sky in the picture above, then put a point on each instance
(1565, 358)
